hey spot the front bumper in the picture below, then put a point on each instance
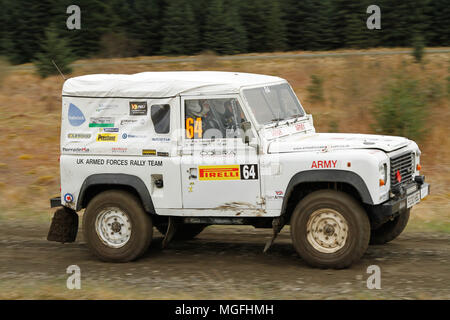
(407, 200)
(411, 196)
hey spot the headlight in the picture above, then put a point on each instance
(383, 174)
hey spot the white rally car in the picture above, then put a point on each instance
(183, 150)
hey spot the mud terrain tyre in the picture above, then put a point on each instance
(330, 229)
(184, 231)
(390, 230)
(116, 227)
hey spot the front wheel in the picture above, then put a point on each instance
(330, 229)
(390, 230)
(116, 227)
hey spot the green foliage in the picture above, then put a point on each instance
(403, 110)
(223, 32)
(433, 89)
(56, 49)
(4, 68)
(315, 89)
(418, 48)
(117, 45)
(448, 86)
(150, 27)
(264, 24)
(180, 29)
(333, 125)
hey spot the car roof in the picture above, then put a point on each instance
(163, 84)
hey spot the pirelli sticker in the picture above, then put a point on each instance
(228, 172)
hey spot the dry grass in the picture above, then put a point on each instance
(30, 116)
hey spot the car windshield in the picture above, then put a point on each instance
(273, 103)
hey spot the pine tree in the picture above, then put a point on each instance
(350, 23)
(24, 26)
(309, 24)
(237, 30)
(275, 27)
(264, 25)
(147, 25)
(252, 15)
(52, 49)
(439, 26)
(223, 31)
(180, 31)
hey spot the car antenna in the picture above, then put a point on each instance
(62, 74)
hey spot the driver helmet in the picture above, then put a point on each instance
(194, 107)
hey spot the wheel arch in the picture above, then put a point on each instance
(96, 183)
(308, 181)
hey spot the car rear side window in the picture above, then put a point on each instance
(161, 117)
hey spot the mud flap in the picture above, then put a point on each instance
(171, 229)
(64, 226)
(277, 225)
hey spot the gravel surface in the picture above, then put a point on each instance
(224, 262)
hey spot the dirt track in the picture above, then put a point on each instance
(223, 263)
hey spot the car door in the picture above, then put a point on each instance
(219, 170)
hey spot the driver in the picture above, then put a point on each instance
(229, 117)
(208, 119)
(202, 109)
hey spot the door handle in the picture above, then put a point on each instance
(192, 173)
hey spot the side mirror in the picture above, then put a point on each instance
(246, 127)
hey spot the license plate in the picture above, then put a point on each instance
(423, 192)
(413, 199)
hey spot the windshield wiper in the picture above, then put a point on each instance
(277, 120)
(297, 116)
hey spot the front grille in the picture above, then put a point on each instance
(405, 164)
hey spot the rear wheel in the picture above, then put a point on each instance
(330, 229)
(184, 231)
(390, 230)
(116, 227)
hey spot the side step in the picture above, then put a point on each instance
(55, 202)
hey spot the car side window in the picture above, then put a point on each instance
(213, 118)
(160, 114)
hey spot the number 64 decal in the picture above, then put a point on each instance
(249, 171)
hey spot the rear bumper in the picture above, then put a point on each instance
(379, 214)
(55, 202)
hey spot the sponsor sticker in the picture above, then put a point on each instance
(101, 122)
(68, 197)
(162, 154)
(75, 116)
(149, 152)
(161, 139)
(79, 149)
(126, 122)
(133, 136)
(300, 126)
(79, 135)
(228, 172)
(109, 129)
(119, 150)
(103, 107)
(138, 108)
(107, 137)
